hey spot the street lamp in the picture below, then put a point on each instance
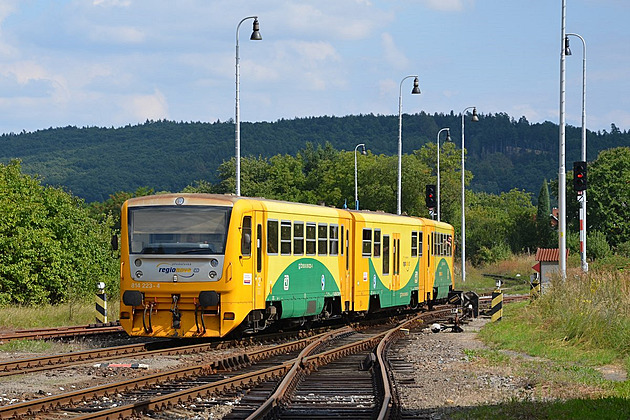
(255, 37)
(356, 187)
(448, 138)
(415, 91)
(562, 199)
(474, 118)
(582, 197)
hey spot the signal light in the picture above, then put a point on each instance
(579, 176)
(431, 197)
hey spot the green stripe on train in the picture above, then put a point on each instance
(302, 287)
(390, 297)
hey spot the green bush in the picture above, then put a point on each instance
(597, 245)
(623, 249)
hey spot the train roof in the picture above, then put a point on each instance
(280, 207)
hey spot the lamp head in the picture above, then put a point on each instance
(448, 135)
(256, 36)
(475, 117)
(363, 152)
(416, 88)
(567, 50)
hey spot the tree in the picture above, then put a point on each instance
(609, 195)
(544, 231)
(51, 249)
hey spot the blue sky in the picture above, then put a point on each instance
(116, 62)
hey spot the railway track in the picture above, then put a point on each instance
(61, 332)
(277, 381)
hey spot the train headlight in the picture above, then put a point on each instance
(214, 262)
(212, 274)
(138, 262)
(138, 274)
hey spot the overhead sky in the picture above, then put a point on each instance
(110, 63)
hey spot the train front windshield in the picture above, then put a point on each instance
(178, 230)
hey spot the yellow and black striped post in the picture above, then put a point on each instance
(534, 289)
(101, 304)
(496, 310)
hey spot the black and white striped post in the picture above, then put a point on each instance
(101, 303)
(496, 308)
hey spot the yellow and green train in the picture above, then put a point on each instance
(205, 265)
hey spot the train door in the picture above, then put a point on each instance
(251, 257)
(395, 285)
(345, 280)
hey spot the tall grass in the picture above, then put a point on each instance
(590, 308)
(25, 317)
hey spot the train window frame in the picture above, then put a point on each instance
(414, 243)
(246, 236)
(322, 239)
(258, 248)
(376, 239)
(271, 240)
(366, 247)
(311, 240)
(333, 239)
(285, 242)
(298, 238)
(386, 255)
(420, 243)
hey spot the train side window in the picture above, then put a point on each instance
(367, 243)
(341, 242)
(322, 239)
(285, 237)
(385, 254)
(347, 248)
(311, 240)
(377, 243)
(420, 244)
(259, 248)
(414, 243)
(333, 235)
(298, 238)
(246, 237)
(272, 237)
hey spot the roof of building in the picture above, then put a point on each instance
(548, 254)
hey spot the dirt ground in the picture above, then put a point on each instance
(456, 370)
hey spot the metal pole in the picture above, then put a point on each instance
(562, 228)
(398, 207)
(439, 197)
(463, 203)
(583, 158)
(237, 119)
(356, 186)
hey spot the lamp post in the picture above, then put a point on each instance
(448, 138)
(415, 91)
(356, 186)
(582, 197)
(474, 118)
(562, 204)
(254, 37)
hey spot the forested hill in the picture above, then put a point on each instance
(92, 163)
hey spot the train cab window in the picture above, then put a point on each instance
(414, 243)
(420, 244)
(246, 237)
(385, 254)
(367, 243)
(333, 235)
(322, 239)
(298, 238)
(311, 240)
(272, 237)
(285, 237)
(377, 243)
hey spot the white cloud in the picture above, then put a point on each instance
(119, 34)
(112, 3)
(145, 107)
(447, 5)
(393, 55)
